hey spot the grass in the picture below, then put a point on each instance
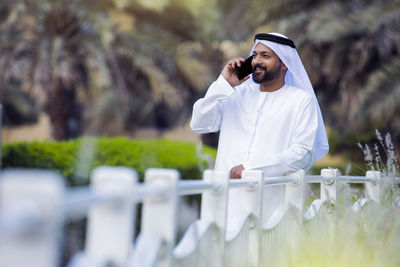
(369, 237)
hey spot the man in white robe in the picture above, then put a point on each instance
(271, 122)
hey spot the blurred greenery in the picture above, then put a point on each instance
(366, 238)
(71, 160)
(110, 67)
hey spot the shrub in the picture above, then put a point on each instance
(76, 158)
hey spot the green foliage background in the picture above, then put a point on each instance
(109, 67)
(69, 157)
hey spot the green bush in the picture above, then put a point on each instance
(76, 158)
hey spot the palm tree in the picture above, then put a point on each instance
(160, 65)
(56, 41)
(76, 53)
(18, 106)
(50, 60)
(357, 47)
(351, 51)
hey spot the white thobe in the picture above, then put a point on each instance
(270, 131)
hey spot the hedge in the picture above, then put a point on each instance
(76, 158)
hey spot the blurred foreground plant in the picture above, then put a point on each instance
(366, 237)
(383, 159)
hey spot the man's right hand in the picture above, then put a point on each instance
(236, 172)
(229, 72)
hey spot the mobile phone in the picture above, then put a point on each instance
(245, 68)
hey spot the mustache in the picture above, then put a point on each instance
(260, 67)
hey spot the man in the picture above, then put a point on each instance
(271, 122)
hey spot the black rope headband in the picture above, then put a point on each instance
(275, 39)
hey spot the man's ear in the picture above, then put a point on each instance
(283, 67)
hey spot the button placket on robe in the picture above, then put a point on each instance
(258, 113)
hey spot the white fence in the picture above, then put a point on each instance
(34, 205)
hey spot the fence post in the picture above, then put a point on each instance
(252, 201)
(214, 205)
(110, 229)
(160, 212)
(31, 205)
(330, 185)
(373, 189)
(294, 196)
(295, 191)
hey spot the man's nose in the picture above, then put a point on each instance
(255, 60)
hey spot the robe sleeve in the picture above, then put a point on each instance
(300, 153)
(207, 111)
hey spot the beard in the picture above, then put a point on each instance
(267, 75)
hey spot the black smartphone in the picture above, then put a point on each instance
(245, 68)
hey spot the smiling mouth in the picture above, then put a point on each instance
(258, 68)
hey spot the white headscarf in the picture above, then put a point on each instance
(296, 76)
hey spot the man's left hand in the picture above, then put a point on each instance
(236, 172)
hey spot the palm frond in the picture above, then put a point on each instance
(379, 101)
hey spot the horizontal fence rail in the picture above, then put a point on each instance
(234, 218)
(193, 187)
(279, 180)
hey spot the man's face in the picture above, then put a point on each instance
(266, 64)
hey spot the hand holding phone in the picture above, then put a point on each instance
(245, 68)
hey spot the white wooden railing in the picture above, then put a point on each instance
(34, 206)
